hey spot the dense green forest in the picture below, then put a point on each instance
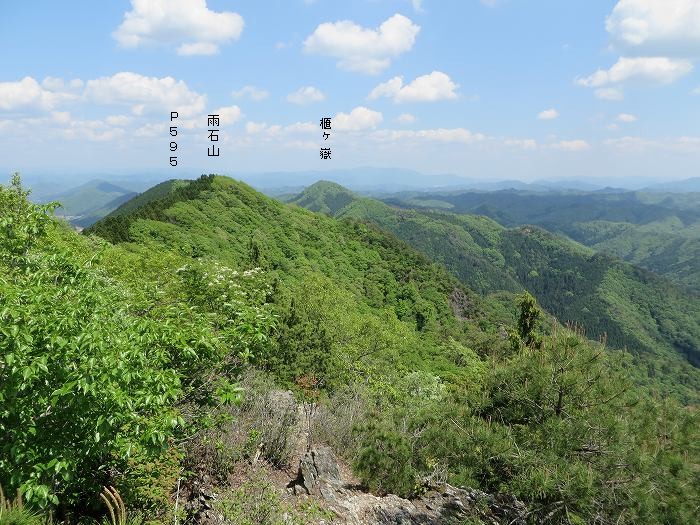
(657, 231)
(633, 309)
(124, 353)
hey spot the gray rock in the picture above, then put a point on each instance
(317, 468)
(319, 476)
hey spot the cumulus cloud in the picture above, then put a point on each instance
(656, 69)
(609, 94)
(306, 95)
(189, 24)
(656, 27)
(548, 114)
(360, 49)
(426, 88)
(29, 94)
(228, 114)
(358, 119)
(251, 92)
(406, 118)
(659, 39)
(141, 93)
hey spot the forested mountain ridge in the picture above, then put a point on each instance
(658, 231)
(633, 308)
(155, 348)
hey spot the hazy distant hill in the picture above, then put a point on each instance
(681, 186)
(88, 203)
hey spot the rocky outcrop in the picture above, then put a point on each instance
(319, 475)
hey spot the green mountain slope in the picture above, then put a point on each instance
(658, 231)
(121, 364)
(217, 217)
(633, 308)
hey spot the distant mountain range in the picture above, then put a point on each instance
(91, 200)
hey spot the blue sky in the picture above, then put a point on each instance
(491, 89)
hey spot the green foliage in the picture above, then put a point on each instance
(113, 352)
(628, 307)
(115, 226)
(21, 223)
(85, 355)
(657, 231)
(529, 320)
(384, 461)
(13, 512)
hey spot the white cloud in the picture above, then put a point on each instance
(656, 27)
(417, 5)
(613, 127)
(186, 23)
(306, 95)
(658, 69)
(28, 94)
(360, 49)
(61, 117)
(609, 94)
(696, 91)
(571, 145)
(358, 119)
(228, 114)
(426, 88)
(53, 83)
(490, 3)
(406, 118)
(548, 114)
(438, 135)
(141, 93)
(626, 117)
(251, 92)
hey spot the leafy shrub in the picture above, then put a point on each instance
(384, 461)
(85, 355)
